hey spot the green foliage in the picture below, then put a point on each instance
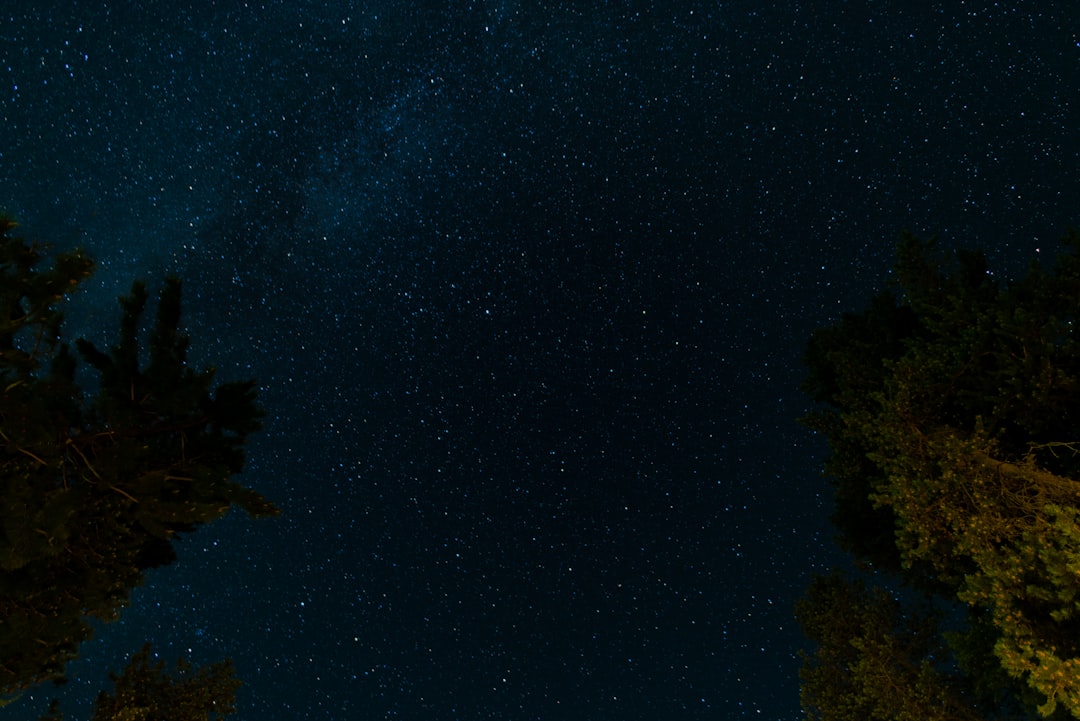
(873, 661)
(951, 408)
(97, 486)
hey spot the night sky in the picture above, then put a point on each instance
(525, 287)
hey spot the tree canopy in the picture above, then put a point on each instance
(147, 690)
(106, 456)
(951, 407)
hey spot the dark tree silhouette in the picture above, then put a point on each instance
(96, 485)
(952, 411)
(147, 690)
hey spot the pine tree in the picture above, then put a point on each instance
(951, 408)
(148, 690)
(96, 486)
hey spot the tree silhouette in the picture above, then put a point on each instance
(148, 691)
(952, 408)
(96, 485)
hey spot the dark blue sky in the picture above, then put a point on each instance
(525, 287)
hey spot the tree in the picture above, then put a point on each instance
(951, 409)
(874, 661)
(147, 691)
(97, 485)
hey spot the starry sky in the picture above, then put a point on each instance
(525, 288)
